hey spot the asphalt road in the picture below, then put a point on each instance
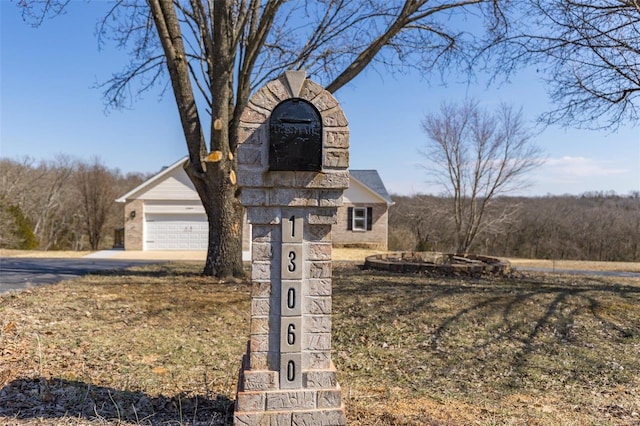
(19, 273)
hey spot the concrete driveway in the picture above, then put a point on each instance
(19, 273)
(197, 255)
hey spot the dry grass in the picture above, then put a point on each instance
(534, 350)
(353, 254)
(577, 265)
(160, 341)
(162, 345)
(359, 255)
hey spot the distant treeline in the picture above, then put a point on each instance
(60, 204)
(592, 226)
(66, 204)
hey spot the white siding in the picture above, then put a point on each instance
(175, 186)
(359, 194)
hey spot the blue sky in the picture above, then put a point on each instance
(48, 105)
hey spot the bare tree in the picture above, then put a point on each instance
(16, 176)
(53, 200)
(477, 156)
(54, 196)
(41, 192)
(590, 226)
(221, 51)
(589, 53)
(97, 188)
(419, 223)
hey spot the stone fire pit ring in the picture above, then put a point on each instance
(436, 262)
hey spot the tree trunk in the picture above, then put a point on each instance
(225, 214)
(214, 179)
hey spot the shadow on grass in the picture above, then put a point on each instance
(65, 401)
(502, 332)
(157, 270)
(167, 269)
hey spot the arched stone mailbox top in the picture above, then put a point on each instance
(254, 139)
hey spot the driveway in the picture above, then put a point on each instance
(19, 273)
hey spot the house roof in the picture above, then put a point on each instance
(368, 178)
(371, 179)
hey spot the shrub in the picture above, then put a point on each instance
(17, 232)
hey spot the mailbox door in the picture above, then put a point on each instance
(295, 136)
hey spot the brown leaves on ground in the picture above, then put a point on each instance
(162, 345)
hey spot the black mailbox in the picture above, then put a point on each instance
(295, 136)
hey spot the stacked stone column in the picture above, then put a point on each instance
(287, 375)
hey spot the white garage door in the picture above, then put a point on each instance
(176, 232)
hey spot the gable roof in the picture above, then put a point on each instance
(370, 179)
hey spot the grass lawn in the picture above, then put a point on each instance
(162, 345)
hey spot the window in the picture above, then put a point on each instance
(360, 219)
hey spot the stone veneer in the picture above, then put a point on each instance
(376, 239)
(133, 226)
(266, 395)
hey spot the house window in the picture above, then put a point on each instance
(360, 219)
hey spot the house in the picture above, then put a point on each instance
(363, 219)
(165, 213)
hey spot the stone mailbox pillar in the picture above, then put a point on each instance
(293, 156)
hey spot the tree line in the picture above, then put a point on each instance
(68, 204)
(601, 226)
(60, 204)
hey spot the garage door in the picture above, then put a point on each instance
(176, 232)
